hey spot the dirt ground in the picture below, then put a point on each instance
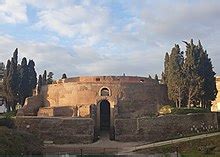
(106, 146)
(102, 146)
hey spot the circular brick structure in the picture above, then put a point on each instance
(102, 98)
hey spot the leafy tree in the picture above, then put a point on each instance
(175, 79)
(50, 78)
(64, 76)
(40, 83)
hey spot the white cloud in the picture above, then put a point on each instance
(46, 56)
(84, 23)
(173, 19)
(12, 11)
(99, 39)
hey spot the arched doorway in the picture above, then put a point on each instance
(104, 115)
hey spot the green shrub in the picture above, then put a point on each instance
(166, 109)
(9, 114)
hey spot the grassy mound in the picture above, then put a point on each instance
(189, 110)
(167, 109)
(208, 146)
(13, 142)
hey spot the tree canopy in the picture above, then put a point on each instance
(189, 77)
(19, 80)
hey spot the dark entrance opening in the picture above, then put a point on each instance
(104, 115)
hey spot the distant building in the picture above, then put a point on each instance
(216, 104)
(3, 109)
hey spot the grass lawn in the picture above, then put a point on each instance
(13, 142)
(209, 146)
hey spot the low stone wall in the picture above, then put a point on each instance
(164, 127)
(58, 130)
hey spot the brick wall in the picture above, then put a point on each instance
(216, 104)
(31, 106)
(128, 94)
(63, 111)
(135, 96)
(165, 127)
(58, 130)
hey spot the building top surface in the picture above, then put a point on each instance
(96, 79)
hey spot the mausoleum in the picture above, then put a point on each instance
(99, 97)
(76, 110)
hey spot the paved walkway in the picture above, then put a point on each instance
(104, 145)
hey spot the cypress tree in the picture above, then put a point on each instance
(32, 77)
(44, 81)
(12, 84)
(19, 80)
(191, 67)
(39, 84)
(64, 76)
(23, 90)
(175, 78)
(190, 80)
(156, 78)
(2, 70)
(5, 84)
(166, 67)
(50, 78)
(15, 56)
(209, 90)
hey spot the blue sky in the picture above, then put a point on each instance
(100, 37)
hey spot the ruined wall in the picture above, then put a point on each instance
(138, 100)
(216, 103)
(31, 106)
(165, 127)
(62, 111)
(58, 130)
(77, 94)
(128, 93)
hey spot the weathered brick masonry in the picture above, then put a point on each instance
(164, 127)
(122, 99)
(59, 130)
